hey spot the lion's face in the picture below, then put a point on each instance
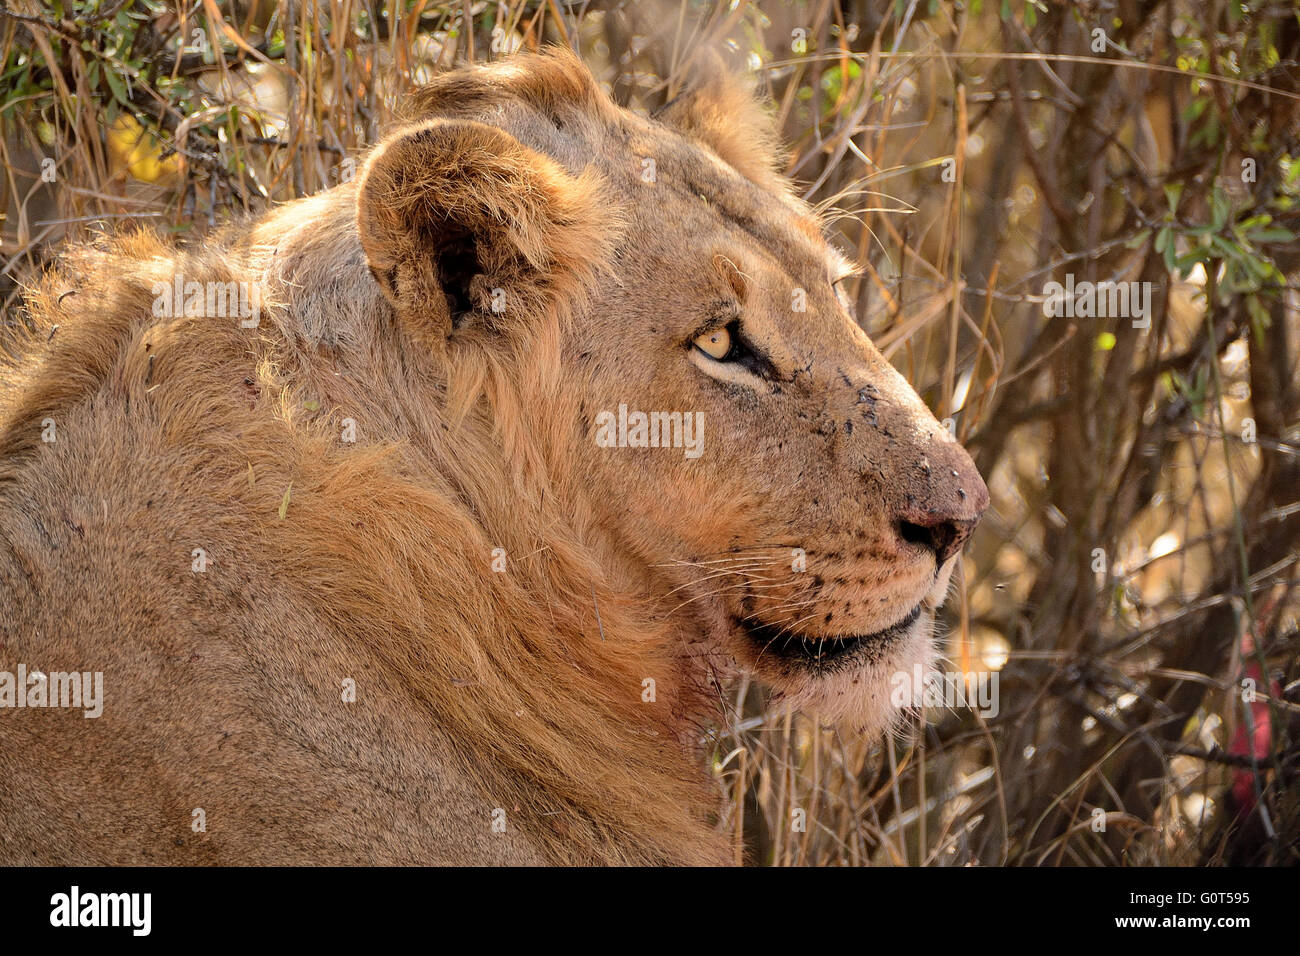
(815, 508)
(808, 508)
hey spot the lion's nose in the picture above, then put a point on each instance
(943, 536)
(943, 517)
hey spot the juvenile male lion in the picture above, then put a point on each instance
(361, 583)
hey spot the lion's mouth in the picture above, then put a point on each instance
(773, 640)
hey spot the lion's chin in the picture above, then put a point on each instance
(861, 697)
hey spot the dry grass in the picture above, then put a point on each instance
(1140, 558)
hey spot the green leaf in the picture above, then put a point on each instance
(1194, 108)
(284, 502)
(1173, 192)
(1209, 133)
(119, 89)
(1260, 318)
(1140, 240)
(1271, 234)
(1219, 209)
(1188, 260)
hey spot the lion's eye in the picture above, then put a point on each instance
(727, 346)
(715, 344)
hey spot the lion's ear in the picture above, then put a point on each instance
(720, 109)
(459, 218)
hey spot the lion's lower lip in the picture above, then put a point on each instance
(774, 641)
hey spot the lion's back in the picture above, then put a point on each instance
(145, 494)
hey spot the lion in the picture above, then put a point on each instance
(423, 520)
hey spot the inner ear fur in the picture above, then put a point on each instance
(720, 108)
(457, 218)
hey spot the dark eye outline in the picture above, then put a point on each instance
(741, 352)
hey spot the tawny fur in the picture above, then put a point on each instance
(476, 691)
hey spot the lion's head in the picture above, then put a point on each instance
(809, 509)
